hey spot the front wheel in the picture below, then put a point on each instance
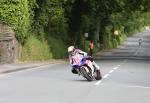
(85, 74)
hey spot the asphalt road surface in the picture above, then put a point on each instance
(125, 71)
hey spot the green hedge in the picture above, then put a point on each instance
(58, 48)
(1, 50)
(18, 15)
(35, 49)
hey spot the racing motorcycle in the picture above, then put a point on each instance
(87, 70)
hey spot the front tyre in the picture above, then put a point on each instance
(85, 74)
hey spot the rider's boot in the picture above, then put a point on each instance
(74, 71)
(96, 67)
(97, 71)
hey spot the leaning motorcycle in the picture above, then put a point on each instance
(86, 69)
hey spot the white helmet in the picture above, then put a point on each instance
(70, 49)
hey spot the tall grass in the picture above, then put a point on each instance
(58, 48)
(35, 49)
(1, 50)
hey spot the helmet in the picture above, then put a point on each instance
(70, 49)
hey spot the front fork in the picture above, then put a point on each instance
(90, 66)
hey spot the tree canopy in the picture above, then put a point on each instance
(66, 21)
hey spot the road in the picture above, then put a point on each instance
(126, 79)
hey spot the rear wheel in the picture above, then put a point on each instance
(86, 74)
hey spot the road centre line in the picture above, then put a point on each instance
(138, 87)
(110, 71)
(136, 51)
(106, 75)
(99, 82)
(118, 65)
(139, 48)
(115, 68)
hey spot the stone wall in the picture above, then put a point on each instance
(9, 46)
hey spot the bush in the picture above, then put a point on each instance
(115, 43)
(58, 48)
(18, 14)
(35, 49)
(1, 50)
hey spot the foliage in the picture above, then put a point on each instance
(17, 14)
(1, 51)
(58, 48)
(35, 49)
(50, 18)
(63, 22)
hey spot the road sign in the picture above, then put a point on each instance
(86, 35)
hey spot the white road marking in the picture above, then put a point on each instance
(110, 71)
(99, 82)
(137, 51)
(25, 70)
(105, 76)
(138, 87)
(115, 68)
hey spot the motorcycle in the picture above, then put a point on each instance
(87, 70)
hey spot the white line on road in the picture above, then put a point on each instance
(110, 71)
(115, 68)
(138, 87)
(137, 51)
(26, 70)
(99, 82)
(105, 76)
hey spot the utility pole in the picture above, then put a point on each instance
(84, 38)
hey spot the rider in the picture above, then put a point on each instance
(140, 42)
(79, 54)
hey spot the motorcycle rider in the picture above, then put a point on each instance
(140, 42)
(76, 55)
